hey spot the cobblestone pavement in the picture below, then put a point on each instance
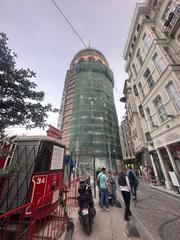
(158, 212)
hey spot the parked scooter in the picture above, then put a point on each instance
(85, 199)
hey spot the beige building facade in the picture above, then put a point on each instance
(127, 145)
(152, 92)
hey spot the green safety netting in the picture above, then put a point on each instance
(94, 120)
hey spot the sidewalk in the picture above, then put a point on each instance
(107, 225)
(166, 191)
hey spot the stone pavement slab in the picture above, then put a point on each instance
(107, 226)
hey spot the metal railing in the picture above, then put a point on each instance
(47, 219)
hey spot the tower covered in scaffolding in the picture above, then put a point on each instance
(88, 118)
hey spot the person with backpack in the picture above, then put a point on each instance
(103, 185)
(133, 182)
(125, 189)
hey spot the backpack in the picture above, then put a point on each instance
(122, 180)
(133, 179)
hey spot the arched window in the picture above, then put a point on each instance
(174, 94)
(81, 60)
(91, 59)
(160, 108)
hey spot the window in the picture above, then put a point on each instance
(134, 69)
(160, 108)
(174, 94)
(130, 153)
(81, 60)
(155, 32)
(147, 40)
(178, 37)
(141, 89)
(140, 55)
(147, 75)
(156, 3)
(129, 54)
(135, 90)
(169, 54)
(138, 27)
(91, 59)
(148, 136)
(150, 119)
(159, 63)
(141, 111)
(132, 45)
(43, 157)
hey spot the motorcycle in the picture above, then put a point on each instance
(86, 211)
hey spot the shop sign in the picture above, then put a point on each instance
(174, 179)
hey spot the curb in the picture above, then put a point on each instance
(142, 230)
(172, 194)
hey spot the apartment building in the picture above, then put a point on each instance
(127, 145)
(152, 92)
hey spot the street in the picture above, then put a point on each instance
(158, 213)
(155, 214)
(107, 226)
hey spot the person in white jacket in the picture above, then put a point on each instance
(125, 190)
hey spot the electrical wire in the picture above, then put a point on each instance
(58, 8)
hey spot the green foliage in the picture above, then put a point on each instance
(13, 168)
(4, 153)
(20, 103)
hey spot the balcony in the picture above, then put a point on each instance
(172, 20)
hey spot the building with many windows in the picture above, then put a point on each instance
(127, 145)
(152, 92)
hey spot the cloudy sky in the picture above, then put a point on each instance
(45, 43)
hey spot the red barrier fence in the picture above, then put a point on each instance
(45, 221)
(14, 224)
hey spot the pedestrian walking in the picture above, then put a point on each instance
(125, 189)
(152, 176)
(104, 201)
(113, 188)
(98, 184)
(133, 182)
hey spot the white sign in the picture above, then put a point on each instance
(57, 158)
(55, 196)
(174, 179)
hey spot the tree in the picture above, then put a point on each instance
(20, 103)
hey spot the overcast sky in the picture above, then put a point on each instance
(46, 44)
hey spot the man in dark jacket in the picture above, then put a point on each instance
(133, 182)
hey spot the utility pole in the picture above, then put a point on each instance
(109, 150)
(94, 159)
